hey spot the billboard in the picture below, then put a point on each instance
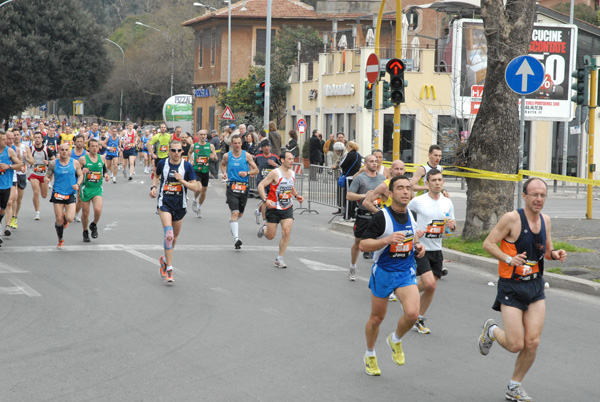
(553, 45)
(178, 111)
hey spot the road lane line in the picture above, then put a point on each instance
(157, 247)
(153, 261)
(24, 288)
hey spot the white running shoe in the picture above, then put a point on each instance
(195, 205)
(393, 297)
(37, 216)
(279, 263)
(77, 219)
(114, 180)
(199, 212)
(352, 274)
(257, 215)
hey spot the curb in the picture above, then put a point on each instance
(491, 266)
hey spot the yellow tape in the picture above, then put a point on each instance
(561, 177)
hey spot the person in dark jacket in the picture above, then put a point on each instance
(292, 144)
(314, 153)
(350, 166)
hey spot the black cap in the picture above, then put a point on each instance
(265, 143)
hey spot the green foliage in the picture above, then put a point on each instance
(570, 248)
(580, 11)
(306, 150)
(474, 247)
(556, 271)
(48, 52)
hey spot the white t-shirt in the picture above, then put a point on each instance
(431, 217)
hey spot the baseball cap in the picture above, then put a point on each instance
(265, 143)
(232, 126)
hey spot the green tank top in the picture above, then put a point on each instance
(201, 157)
(93, 178)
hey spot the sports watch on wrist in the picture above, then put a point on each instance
(508, 260)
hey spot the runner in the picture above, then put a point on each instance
(201, 155)
(279, 204)
(7, 155)
(24, 154)
(524, 237)
(391, 237)
(433, 212)
(129, 151)
(236, 166)
(93, 133)
(112, 153)
(435, 156)
(93, 169)
(79, 150)
(103, 140)
(10, 142)
(173, 177)
(266, 162)
(144, 140)
(51, 140)
(380, 168)
(362, 184)
(67, 180)
(162, 139)
(42, 155)
(68, 137)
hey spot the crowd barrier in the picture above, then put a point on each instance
(323, 188)
(298, 168)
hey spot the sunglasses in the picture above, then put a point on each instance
(177, 150)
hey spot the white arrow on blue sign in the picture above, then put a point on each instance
(44, 107)
(524, 75)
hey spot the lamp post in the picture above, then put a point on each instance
(228, 45)
(205, 6)
(172, 50)
(122, 51)
(6, 2)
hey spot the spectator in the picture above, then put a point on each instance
(350, 165)
(292, 144)
(275, 138)
(250, 144)
(314, 147)
(321, 148)
(328, 150)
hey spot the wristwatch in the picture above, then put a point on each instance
(508, 260)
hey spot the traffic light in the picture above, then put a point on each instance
(260, 95)
(387, 95)
(369, 95)
(395, 68)
(581, 98)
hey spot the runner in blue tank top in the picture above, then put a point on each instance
(67, 180)
(9, 162)
(392, 237)
(236, 166)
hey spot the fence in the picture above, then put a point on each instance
(298, 168)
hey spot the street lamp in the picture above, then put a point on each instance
(6, 2)
(172, 50)
(205, 6)
(122, 51)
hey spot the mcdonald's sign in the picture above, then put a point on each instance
(426, 91)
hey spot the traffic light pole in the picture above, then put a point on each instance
(592, 120)
(396, 154)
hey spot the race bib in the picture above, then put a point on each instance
(39, 168)
(286, 195)
(238, 187)
(163, 148)
(112, 149)
(435, 229)
(61, 197)
(377, 203)
(173, 188)
(128, 146)
(93, 177)
(401, 250)
(266, 172)
(184, 157)
(529, 268)
(202, 160)
(52, 148)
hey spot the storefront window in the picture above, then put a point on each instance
(328, 124)
(352, 127)
(339, 124)
(557, 149)
(407, 130)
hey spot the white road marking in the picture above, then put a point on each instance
(319, 266)
(24, 288)
(221, 290)
(271, 311)
(158, 247)
(7, 269)
(153, 261)
(111, 226)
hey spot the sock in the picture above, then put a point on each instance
(370, 353)
(421, 317)
(59, 231)
(352, 265)
(395, 338)
(234, 228)
(170, 268)
(279, 257)
(491, 332)
(513, 384)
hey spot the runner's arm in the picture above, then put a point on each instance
(224, 166)
(213, 153)
(551, 253)
(501, 231)
(50, 171)
(79, 174)
(253, 168)
(379, 192)
(29, 157)
(414, 182)
(264, 183)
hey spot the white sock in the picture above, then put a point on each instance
(279, 258)
(370, 353)
(512, 384)
(395, 338)
(234, 228)
(491, 332)
(352, 265)
(170, 268)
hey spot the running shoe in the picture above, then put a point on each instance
(371, 367)
(393, 297)
(517, 394)
(367, 256)
(114, 180)
(120, 167)
(163, 266)
(13, 223)
(261, 231)
(37, 216)
(94, 230)
(169, 277)
(130, 178)
(1, 241)
(257, 215)
(77, 219)
(125, 173)
(133, 173)
(420, 326)
(61, 244)
(195, 205)
(7, 231)
(352, 274)
(238, 243)
(279, 263)
(485, 342)
(397, 353)
(199, 212)
(444, 271)
(86, 236)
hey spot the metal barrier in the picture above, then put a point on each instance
(298, 168)
(323, 188)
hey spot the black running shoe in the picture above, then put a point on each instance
(94, 230)
(238, 244)
(86, 236)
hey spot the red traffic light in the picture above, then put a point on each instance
(394, 67)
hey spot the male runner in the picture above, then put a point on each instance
(279, 204)
(163, 140)
(435, 156)
(144, 140)
(362, 184)
(433, 212)
(51, 140)
(112, 153)
(173, 177)
(9, 162)
(76, 153)
(42, 155)
(67, 137)
(524, 237)
(392, 239)
(380, 168)
(10, 143)
(236, 166)
(24, 154)
(93, 169)
(201, 154)
(93, 133)
(67, 180)
(129, 151)
(266, 162)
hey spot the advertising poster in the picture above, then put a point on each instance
(178, 111)
(553, 45)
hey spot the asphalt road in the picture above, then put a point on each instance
(95, 322)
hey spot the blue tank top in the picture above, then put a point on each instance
(397, 257)
(235, 166)
(75, 156)
(6, 176)
(112, 146)
(64, 178)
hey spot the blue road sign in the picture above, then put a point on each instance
(524, 75)
(44, 107)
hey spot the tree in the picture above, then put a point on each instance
(580, 11)
(494, 141)
(45, 55)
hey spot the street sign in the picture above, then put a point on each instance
(227, 114)
(44, 107)
(524, 75)
(301, 126)
(372, 68)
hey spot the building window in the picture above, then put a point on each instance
(339, 125)
(211, 118)
(557, 148)
(199, 121)
(352, 127)
(328, 124)
(260, 46)
(213, 47)
(407, 132)
(200, 52)
(448, 137)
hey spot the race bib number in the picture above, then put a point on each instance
(237, 187)
(128, 146)
(93, 177)
(39, 169)
(529, 268)
(61, 197)
(377, 203)
(286, 195)
(52, 148)
(2, 172)
(202, 160)
(266, 172)
(172, 188)
(112, 149)
(401, 250)
(163, 148)
(435, 229)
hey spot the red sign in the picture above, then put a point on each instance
(301, 126)
(372, 68)
(394, 66)
(476, 91)
(227, 114)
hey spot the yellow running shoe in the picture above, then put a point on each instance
(13, 223)
(371, 367)
(397, 353)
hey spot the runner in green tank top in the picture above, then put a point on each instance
(199, 155)
(94, 170)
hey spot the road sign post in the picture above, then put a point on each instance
(523, 75)
(372, 71)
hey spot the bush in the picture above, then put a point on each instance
(306, 150)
